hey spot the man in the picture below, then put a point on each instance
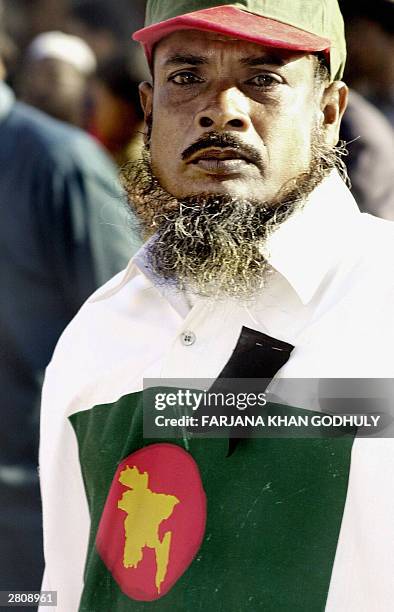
(370, 162)
(115, 116)
(54, 76)
(258, 260)
(61, 237)
(370, 69)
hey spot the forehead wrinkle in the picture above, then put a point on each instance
(202, 47)
(196, 48)
(263, 60)
(181, 58)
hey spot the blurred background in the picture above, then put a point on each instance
(69, 117)
(97, 93)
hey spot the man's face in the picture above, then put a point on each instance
(265, 98)
(239, 136)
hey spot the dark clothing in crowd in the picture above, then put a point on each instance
(371, 156)
(63, 233)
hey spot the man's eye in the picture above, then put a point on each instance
(264, 80)
(185, 78)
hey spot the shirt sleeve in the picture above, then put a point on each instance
(65, 510)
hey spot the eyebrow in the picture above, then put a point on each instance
(263, 60)
(183, 59)
(186, 58)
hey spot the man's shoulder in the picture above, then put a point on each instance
(118, 338)
(92, 323)
(376, 240)
(49, 141)
(366, 266)
(110, 334)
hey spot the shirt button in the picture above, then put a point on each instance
(188, 338)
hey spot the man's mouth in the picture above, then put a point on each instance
(220, 161)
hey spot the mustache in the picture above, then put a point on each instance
(224, 140)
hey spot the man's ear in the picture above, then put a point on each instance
(333, 105)
(146, 99)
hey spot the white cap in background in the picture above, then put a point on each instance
(58, 45)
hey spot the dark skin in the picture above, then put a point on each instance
(267, 98)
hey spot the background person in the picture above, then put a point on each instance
(368, 122)
(114, 113)
(370, 39)
(54, 76)
(62, 235)
(370, 160)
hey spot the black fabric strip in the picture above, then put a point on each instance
(255, 356)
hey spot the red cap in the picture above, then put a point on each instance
(236, 23)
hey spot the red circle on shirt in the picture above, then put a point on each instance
(153, 521)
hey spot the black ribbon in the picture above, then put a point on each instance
(257, 357)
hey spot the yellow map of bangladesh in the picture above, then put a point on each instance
(145, 512)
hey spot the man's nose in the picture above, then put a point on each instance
(227, 110)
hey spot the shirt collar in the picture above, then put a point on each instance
(303, 249)
(7, 100)
(307, 246)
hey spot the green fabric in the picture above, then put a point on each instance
(320, 17)
(274, 513)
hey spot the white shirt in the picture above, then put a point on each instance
(331, 296)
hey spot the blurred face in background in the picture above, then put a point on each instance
(111, 119)
(55, 87)
(114, 113)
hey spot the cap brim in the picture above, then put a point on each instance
(234, 22)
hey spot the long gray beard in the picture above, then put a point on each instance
(215, 245)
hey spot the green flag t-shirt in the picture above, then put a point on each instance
(136, 524)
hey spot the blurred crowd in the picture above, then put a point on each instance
(69, 117)
(74, 59)
(369, 120)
